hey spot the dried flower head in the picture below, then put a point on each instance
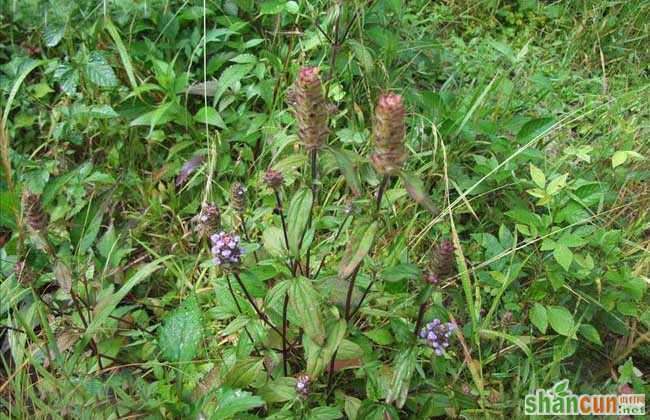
(238, 196)
(443, 259)
(302, 384)
(437, 335)
(312, 111)
(23, 273)
(226, 250)
(274, 179)
(388, 133)
(33, 212)
(208, 219)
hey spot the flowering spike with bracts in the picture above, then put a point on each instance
(226, 251)
(437, 335)
(273, 179)
(33, 212)
(388, 135)
(302, 385)
(208, 220)
(312, 111)
(238, 196)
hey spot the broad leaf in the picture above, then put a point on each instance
(561, 320)
(182, 331)
(348, 170)
(99, 71)
(416, 190)
(304, 301)
(357, 248)
(297, 218)
(234, 401)
(538, 317)
(401, 380)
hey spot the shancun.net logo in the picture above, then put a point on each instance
(561, 401)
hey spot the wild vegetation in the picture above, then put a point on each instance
(321, 209)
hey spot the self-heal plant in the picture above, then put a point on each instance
(314, 332)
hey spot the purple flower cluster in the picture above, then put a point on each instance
(302, 384)
(437, 335)
(226, 249)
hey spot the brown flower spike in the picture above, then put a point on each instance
(388, 133)
(238, 196)
(311, 108)
(33, 212)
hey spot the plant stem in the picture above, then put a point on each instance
(285, 307)
(245, 231)
(363, 297)
(348, 299)
(418, 324)
(380, 193)
(278, 202)
(234, 297)
(338, 233)
(261, 314)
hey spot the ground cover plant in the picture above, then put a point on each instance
(321, 209)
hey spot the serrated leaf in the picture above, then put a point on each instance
(229, 77)
(280, 390)
(538, 317)
(182, 331)
(399, 384)
(234, 401)
(557, 184)
(244, 372)
(560, 320)
(590, 333)
(357, 249)
(381, 336)
(297, 218)
(563, 255)
(534, 128)
(273, 240)
(416, 190)
(304, 302)
(99, 71)
(209, 115)
(53, 34)
(363, 55)
(537, 176)
(348, 170)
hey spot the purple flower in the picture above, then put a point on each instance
(437, 335)
(225, 249)
(302, 384)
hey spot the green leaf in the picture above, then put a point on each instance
(517, 341)
(99, 71)
(53, 34)
(297, 218)
(401, 380)
(590, 333)
(561, 320)
(304, 301)
(25, 68)
(325, 413)
(534, 128)
(273, 240)
(280, 390)
(401, 272)
(357, 248)
(234, 401)
(244, 372)
(230, 76)
(557, 184)
(563, 255)
(621, 156)
(416, 190)
(182, 331)
(538, 317)
(537, 176)
(348, 170)
(363, 55)
(122, 51)
(381, 336)
(112, 302)
(9, 206)
(320, 356)
(210, 115)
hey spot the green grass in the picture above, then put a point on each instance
(527, 129)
